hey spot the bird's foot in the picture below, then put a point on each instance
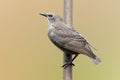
(68, 64)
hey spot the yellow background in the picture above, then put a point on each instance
(26, 53)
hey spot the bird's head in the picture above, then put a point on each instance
(51, 17)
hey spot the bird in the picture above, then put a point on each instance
(67, 39)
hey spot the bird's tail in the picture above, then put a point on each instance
(96, 60)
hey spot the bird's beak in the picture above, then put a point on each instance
(43, 14)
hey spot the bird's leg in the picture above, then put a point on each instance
(70, 63)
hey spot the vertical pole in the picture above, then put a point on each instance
(67, 72)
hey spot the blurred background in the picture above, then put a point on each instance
(26, 53)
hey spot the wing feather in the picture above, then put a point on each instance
(68, 38)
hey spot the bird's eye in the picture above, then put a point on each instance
(50, 15)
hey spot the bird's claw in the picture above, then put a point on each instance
(68, 64)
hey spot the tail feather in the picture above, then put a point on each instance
(96, 60)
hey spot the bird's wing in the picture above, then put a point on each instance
(69, 39)
(78, 44)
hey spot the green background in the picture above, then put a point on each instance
(26, 53)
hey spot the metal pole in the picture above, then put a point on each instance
(67, 72)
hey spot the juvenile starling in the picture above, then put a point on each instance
(67, 38)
